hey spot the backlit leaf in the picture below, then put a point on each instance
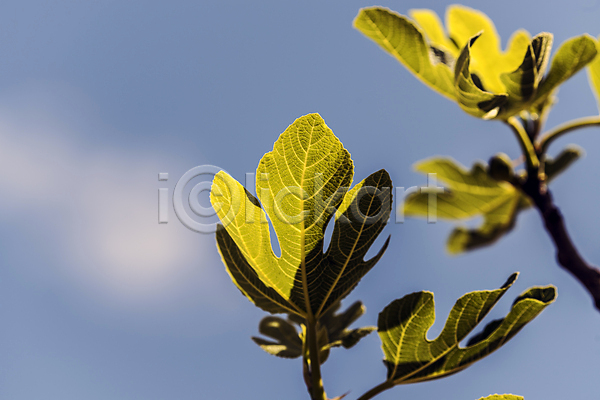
(475, 193)
(487, 82)
(573, 55)
(410, 357)
(431, 25)
(468, 194)
(594, 74)
(301, 185)
(488, 61)
(522, 83)
(471, 97)
(400, 37)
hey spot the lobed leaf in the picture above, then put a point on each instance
(338, 325)
(469, 194)
(405, 41)
(430, 24)
(287, 342)
(475, 193)
(301, 185)
(410, 357)
(487, 82)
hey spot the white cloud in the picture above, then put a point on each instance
(98, 203)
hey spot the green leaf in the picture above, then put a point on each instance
(487, 82)
(405, 41)
(594, 73)
(334, 331)
(555, 166)
(468, 194)
(471, 98)
(522, 83)
(287, 342)
(475, 193)
(496, 224)
(432, 27)
(488, 62)
(301, 185)
(411, 357)
(573, 55)
(337, 325)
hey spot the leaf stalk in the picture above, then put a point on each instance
(526, 144)
(377, 390)
(570, 126)
(317, 391)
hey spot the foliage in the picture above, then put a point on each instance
(477, 193)
(403, 327)
(511, 86)
(468, 66)
(334, 332)
(304, 183)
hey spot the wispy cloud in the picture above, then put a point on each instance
(96, 202)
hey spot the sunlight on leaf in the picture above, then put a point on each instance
(594, 74)
(489, 62)
(475, 193)
(470, 96)
(469, 194)
(405, 41)
(488, 82)
(572, 56)
(410, 357)
(301, 185)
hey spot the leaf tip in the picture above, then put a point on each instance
(543, 294)
(511, 279)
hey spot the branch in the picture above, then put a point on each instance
(566, 254)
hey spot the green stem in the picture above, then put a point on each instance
(551, 136)
(533, 162)
(318, 392)
(376, 390)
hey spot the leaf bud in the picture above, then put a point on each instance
(500, 167)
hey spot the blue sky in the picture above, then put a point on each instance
(98, 301)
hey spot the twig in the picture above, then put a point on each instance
(566, 254)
